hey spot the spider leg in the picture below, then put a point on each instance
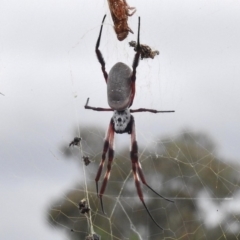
(135, 168)
(109, 166)
(137, 54)
(149, 110)
(140, 172)
(138, 165)
(135, 63)
(99, 54)
(108, 146)
(96, 108)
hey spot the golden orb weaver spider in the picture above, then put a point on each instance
(121, 91)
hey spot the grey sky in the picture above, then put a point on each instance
(48, 69)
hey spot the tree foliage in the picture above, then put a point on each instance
(185, 168)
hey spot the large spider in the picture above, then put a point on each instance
(121, 90)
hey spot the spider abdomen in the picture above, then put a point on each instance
(119, 87)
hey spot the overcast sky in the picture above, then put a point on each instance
(48, 69)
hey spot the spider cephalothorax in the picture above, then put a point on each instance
(121, 121)
(121, 91)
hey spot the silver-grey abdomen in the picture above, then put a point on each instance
(119, 86)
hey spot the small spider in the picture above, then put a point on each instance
(93, 237)
(145, 50)
(120, 11)
(121, 91)
(76, 142)
(83, 206)
(86, 160)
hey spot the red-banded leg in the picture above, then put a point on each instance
(135, 64)
(137, 171)
(108, 146)
(97, 108)
(149, 110)
(99, 54)
(109, 166)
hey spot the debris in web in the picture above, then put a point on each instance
(83, 206)
(120, 11)
(145, 50)
(86, 160)
(93, 237)
(75, 142)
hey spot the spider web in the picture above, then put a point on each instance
(189, 156)
(185, 167)
(205, 190)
